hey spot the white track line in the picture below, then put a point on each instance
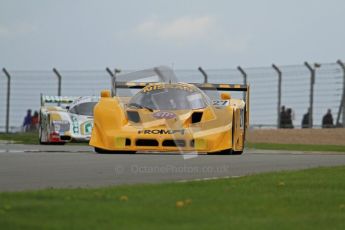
(209, 178)
(37, 151)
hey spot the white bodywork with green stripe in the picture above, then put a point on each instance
(65, 119)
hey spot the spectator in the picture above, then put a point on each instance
(27, 121)
(327, 120)
(282, 117)
(305, 120)
(289, 115)
(34, 121)
(286, 117)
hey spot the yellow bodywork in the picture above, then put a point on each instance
(220, 128)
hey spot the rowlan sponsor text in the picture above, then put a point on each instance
(162, 131)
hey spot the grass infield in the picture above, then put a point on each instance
(30, 138)
(308, 199)
(297, 147)
(21, 138)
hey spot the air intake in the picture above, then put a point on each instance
(146, 142)
(174, 143)
(196, 117)
(128, 142)
(65, 138)
(133, 116)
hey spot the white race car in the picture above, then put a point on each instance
(66, 119)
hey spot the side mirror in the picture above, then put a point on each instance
(105, 93)
(225, 96)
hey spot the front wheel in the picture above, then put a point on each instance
(104, 151)
(40, 135)
(228, 152)
(47, 142)
(236, 152)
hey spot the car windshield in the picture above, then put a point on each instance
(170, 97)
(85, 109)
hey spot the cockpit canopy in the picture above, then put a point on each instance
(83, 106)
(170, 96)
(85, 109)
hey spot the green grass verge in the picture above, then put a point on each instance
(297, 147)
(30, 138)
(308, 199)
(20, 138)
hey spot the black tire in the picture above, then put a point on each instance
(104, 151)
(58, 143)
(48, 143)
(227, 152)
(223, 152)
(42, 143)
(236, 152)
(52, 143)
(101, 151)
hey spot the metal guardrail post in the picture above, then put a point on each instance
(59, 80)
(342, 105)
(7, 99)
(109, 72)
(244, 75)
(279, 72)
(112, 81)
(204, 74)
(311, 95)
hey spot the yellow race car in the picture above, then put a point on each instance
(171, 117)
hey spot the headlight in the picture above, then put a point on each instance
(61, 126)
(57, 127)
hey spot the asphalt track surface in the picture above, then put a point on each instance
(32, 167)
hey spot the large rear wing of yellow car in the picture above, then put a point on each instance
(202, 86)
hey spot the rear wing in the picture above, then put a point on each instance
(56, 100)
(202, 86)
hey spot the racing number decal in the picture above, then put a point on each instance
(75, 125)
(88, 128)
(220, 102)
